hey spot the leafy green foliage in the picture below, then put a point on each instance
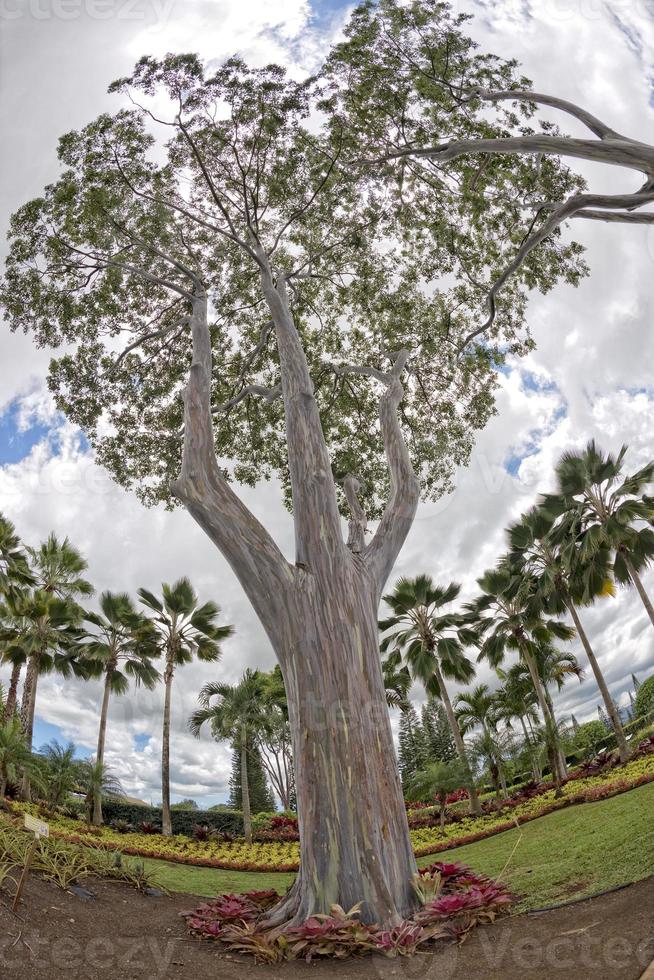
(380, 257)
(261, 798)
(644, 703)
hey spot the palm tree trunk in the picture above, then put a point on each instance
(27, 713)
(99, 758)
(542, 703)
(609, 704)
(12, 693)
(245, 785)
(535, 771)
(475, 805)
(563, 766)
(636, 579)
(166, 820)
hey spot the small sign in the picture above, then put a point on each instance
(37, 826)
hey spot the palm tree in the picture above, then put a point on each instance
(122, 648)
(610, 514)
(274, 739)
(435, 782)
(509, 616)
(430, 643)
(478, 707)
(236, 713)
(186, 629)
(43, 631)
(516, 698)
(60, 772)
(566, 582)
(15, 575)
(555, 667)
(97, 781)
(48, 617)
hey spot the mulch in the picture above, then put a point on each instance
(120, 934)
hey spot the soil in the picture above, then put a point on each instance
(120, 934)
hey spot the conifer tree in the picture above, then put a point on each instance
(412, 755)
(437, 732)
(261, 798)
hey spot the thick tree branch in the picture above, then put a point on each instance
(315, 508)
(401, 508)
(518, 95)
(256, 560)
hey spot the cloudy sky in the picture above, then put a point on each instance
(591, 375)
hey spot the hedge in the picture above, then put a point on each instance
(183, 821)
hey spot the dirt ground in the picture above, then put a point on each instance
(122, 935)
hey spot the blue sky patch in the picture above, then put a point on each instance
(16, 444)
(141, 741)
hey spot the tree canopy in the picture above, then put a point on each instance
(201, 172)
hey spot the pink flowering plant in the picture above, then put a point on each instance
(453, 900)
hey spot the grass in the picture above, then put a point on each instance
(571, 853)
(211, 881)
(565, 855)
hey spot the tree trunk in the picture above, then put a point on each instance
(321, 617)
(475, 805)
(535, 771)
(563, 766)
(609, 704)
(544, 707)
(27, 713)
(354, 839)
(245, 786)
(99, 758)
(166, 820)
(636, 579)
(3, 787)
(12, 693)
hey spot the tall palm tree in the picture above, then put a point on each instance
(509, 616)
(430, 642)
(186, 629)
(15, 575)
(478, 707)
(235, 712)
(50, 613)
(122, 648)
(566, 582)
(612, 511)
(43, 631)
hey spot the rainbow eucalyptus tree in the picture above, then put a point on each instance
(242, 295)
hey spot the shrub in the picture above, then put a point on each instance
(184, 821)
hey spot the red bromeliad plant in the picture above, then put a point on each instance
(453, 898)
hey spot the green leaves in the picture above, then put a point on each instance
(104, 262)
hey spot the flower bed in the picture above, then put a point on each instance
(284, 856)
(452, 900)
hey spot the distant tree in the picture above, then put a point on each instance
(438, 738)
(121, 649)
(260, 795)
(412, 748)
(187, 630)
(588, 737)
(15, 576)
(645, 698)
(185, 805)
(436, 781)
(15, 755)
(430, 642)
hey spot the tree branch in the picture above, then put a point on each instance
(400, 510)
(595, 125)
(269, 394)
(256, 560)
(315, 507)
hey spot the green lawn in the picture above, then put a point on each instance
(564, 855)
(571, 853)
